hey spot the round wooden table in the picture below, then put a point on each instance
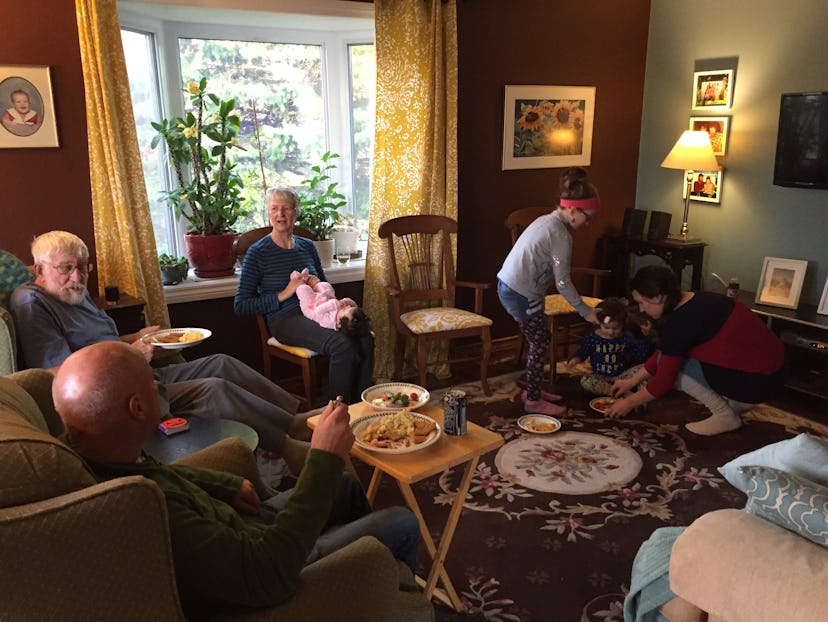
(202, 433)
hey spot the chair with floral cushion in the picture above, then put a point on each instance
(422, 292)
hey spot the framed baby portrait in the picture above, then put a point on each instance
(781, 282)
(28, 112)
(547, 126)
(712, 90)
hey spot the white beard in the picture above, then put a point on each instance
(73, 294)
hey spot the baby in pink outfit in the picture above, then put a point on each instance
(318, 303)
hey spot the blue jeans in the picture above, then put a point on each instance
(351, 518)
(517, 305)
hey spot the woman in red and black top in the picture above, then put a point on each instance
(713, 348)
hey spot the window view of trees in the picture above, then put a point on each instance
(280, 91)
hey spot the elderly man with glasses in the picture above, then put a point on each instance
(55, 316)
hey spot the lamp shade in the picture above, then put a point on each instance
(693, 151)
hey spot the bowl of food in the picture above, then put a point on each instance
(398, 432)
(539, 424)
(601, 404)
(396, 396)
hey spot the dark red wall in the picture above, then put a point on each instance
(543, 42)
(44, 189)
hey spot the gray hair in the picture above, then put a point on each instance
(45, 245)
(284, 192)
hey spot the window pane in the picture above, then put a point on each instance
(143, 86)
(278, 88)
(362, 63)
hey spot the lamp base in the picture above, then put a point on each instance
(683, 238)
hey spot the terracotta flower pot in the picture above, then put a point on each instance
(211, 255)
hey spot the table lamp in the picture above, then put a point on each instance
(693, 152)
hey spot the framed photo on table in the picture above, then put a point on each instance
(781, 282)
(717, 128)
(547, 126)
(713, 90)
(28, 112)
(706, 186)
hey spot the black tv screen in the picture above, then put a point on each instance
(802, 141)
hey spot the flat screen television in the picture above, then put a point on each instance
(802, 141)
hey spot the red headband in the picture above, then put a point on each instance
(590, 203)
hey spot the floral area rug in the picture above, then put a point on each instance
(552, 522)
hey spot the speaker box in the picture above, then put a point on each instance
(659, 225)
(634, 220)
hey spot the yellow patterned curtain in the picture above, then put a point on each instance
(415, 142)
(126, 253)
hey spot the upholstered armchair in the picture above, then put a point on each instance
(74, 549)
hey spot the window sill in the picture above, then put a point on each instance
(195, 289)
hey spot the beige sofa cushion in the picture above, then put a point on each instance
(33, 464)
(741, 568)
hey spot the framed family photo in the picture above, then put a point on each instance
(717, 128)
(822, 309)
(712, 89)
(706, 186)
(28, 112)
(547, 126)
(781, 282)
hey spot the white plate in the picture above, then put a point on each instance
(377, 391)
(531, 422)
(177, 345)
(358, 426)
(593, 403)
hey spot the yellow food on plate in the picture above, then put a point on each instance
(190, 335)
(168, 338)
(539, 426)
(397, 430)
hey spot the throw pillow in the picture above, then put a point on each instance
(791, 502)
(804, 455)
(13, 272)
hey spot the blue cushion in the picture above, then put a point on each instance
(13, 272)
(805, 455)
(791, 502)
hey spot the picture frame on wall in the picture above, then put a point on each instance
(781, 282)
(27, 107)
(547, 126)
(712, 90)
(822, 309)
(717, 128)
(707, 186)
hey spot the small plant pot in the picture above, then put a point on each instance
(171, 275)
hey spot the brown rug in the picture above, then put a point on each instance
(552, 523)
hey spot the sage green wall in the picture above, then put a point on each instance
(779, 48)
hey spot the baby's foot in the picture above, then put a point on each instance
(545, 395)
(543, 407)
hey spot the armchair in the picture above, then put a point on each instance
(74, 549)
(422, 292)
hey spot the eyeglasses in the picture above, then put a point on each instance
(65, 269)
(587, 216)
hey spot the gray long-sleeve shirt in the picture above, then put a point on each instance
(541, 256)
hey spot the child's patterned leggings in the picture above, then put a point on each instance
(602, 385)
(537, 337)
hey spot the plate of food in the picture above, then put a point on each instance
(396, 396)
(399, 432)
(539, 424)
(178, 338)
(601, 404)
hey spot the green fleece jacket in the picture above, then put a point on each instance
(224, 558)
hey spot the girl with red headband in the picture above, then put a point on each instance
(540, 257)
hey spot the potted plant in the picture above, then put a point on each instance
(320, 202)
(209, 194)
(173, 269)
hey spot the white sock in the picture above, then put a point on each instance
(722, 418)
(716, 424)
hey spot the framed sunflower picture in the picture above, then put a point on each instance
(547, 126)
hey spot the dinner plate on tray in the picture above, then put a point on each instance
(170, 339)
(601, 404)
(377, 392)
(359, 427)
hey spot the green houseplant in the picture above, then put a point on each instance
(320, 201)
(173, 269)
(209, 194)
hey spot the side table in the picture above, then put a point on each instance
(617, 253)
(407, 469)
(202, 433)
(127, 312)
